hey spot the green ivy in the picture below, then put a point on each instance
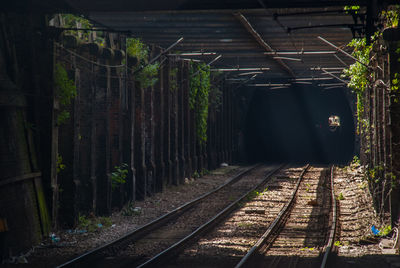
(358, 73)
(198, 97)
(73, 21)
(118, 176)
(147, 77)
(65, 91)
(350, 9)
(391, 16)
(60, 165)
(136, 48)
(146, 73)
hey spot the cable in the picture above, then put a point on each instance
(96, 63)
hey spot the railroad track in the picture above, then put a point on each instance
(170, 232)
(284, 226)
(297, 237)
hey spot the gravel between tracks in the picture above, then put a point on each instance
(196, 216)
(236, 235)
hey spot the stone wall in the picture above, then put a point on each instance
(25, 102)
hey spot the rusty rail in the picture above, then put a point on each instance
(273, 225)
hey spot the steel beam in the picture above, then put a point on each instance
(239, 69)
(261, 41)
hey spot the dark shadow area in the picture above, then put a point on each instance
(366, 261)
(291, 125)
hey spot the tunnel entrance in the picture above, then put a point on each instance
(292, 125)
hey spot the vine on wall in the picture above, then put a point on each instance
(358, 74)
(363, 77)
(65, 91)
(198, 97)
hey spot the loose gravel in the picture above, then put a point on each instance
(75, 242)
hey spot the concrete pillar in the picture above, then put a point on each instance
(140, 143)
(167, 124)
(159, 118)
(186, 119)
(181, 123)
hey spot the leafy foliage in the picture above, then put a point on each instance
(65, 91)
(391, 16)
(71, 21)
(387, 229)
(350, 9)
(198, 97)
(74, 21)
(136, 48)
(337, 244)
(119, 175)
(93, 224)
(358, 72)
(395, 85)
(146, 73)
(60, 165)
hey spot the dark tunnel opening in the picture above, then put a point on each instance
(291, 125)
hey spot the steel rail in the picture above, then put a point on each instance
(334, 219)
(174, 249)
(273, 225)
(142, 231)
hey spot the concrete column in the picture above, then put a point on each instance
(149, 136)
(159, 117)
(140, 143)
(186, 119)
(174, 126)
(167, 124)
(181, 123)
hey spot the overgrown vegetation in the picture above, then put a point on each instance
(146, 74)
(391, 16)
(118, 176)
(198, 98)
(65, 91)
(358, 74)
(78, 22)
(386, 230)
(200, 174)
(337, 244)
(92, 224)
(362, 78)
(60, 166)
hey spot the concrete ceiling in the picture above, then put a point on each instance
(253, 38)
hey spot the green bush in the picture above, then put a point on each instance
(146, 74)
(198, 98)
(119, 175)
